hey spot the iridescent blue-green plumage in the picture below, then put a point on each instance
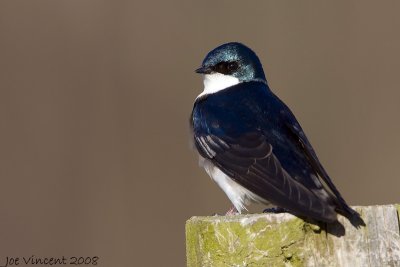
(252, 136)
(250, 66)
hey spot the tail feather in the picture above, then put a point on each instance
(353, 216)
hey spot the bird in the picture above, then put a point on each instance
(251, 144)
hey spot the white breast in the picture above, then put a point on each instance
(216, 82)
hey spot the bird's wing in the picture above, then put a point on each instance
(300, 137)
(250, 160)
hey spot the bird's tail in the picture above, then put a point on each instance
(353, 216)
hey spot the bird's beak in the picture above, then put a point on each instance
(204, 70)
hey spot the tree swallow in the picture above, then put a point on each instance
(251, 144)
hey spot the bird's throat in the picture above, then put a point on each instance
(216, 82)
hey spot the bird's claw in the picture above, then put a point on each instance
(232, 211)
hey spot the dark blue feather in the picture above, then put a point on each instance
(252, 136)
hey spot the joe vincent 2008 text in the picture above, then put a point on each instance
(49, 261)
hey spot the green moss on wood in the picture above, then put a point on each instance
(285, 240)
(246, 241)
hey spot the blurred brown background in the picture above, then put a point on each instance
(94, 105)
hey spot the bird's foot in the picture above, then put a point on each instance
(232, 211)
(275, 210)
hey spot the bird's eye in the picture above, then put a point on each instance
(227, 67)
(221, 67)
(232, 66)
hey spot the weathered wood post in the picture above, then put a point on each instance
(285, 240)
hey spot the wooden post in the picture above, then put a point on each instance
(285, 240)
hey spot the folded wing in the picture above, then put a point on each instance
(250, 161)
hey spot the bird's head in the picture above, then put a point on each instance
(235, 60)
